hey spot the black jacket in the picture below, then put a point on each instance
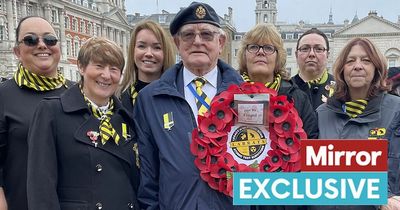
(65, 168)
(17, 105)
(303, 106)
(318, 93)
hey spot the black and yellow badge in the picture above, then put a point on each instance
(168, 120)
(377, 133)
(200, 12)
(248, 143)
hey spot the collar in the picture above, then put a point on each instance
(72, 100)
(211, 76)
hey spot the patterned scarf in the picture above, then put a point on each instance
(23, 77)
(319, 81)
(106, 129)
(355, 108)
(133, 93)
(273, 85)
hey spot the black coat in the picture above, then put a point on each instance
(17, 105)
(316, 92)
(65, 168)
(303, 107)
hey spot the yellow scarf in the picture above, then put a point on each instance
(273, 85)
(133, 93)
(23, 77)
(319, 81)
(106, 129)
(355, 108)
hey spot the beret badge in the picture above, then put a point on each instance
(200, 12)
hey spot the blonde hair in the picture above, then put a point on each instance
(131, 71)
(264, 33)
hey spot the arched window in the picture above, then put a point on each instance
(393, 57)
(265, 18)
(266, 4)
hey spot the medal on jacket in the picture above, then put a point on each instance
(93, 136)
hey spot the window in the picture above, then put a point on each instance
(266, 5)
(66, 22)
(2, 33)
(162, 19)
(54, 16)
(69, 47)
(82, 26)
(289, 36)
(74, 24)
(238, 37)
(98, 30)
(29, 10)
(236, 52)
(392, 62)
(329, 35)
(89, 29)
(289, 51)
(265, 18)
(76, 48)
(2, 6)
(299, 35)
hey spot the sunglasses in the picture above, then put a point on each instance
(33, 40)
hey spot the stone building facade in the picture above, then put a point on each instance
(75, 21)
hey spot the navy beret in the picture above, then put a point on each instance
(195, 13)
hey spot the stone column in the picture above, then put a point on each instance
(10, 20)
(63, 41)
(24, 8)
(47, 12)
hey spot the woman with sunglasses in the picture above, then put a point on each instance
(81, 146)
(38, 51)
(262, 58)
(150, 54)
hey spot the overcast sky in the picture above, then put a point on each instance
(290, 11)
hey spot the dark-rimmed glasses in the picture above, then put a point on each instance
(33, 40)
(189, 36)
(307, 49)
(254, 48)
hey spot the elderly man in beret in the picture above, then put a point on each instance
(166, 113)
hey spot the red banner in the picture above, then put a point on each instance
(344, 155)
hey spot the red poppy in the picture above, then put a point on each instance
(278, 113)
(220, 141)
(216, 150)
(225, 99)
(229, 186)
(289, 143)
(197, 135)
(222, 112)
(286, 127)
(274, 159)
(203, 163)
(211, 128)
(205, 176)
(214, 183)
(198, 148)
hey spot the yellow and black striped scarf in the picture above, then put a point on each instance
(23, 77)
(133, 93)
(273, 85)
(106, 129)
(355, 108)
(319, 81)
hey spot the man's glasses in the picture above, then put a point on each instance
(33, 40)
(307, 49)
(254, 48)
(189, 36)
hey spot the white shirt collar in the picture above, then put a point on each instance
(211, 76)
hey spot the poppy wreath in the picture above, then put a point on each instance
(209, 140)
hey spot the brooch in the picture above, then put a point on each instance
(93, 135)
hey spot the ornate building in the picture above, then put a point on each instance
(74, 21)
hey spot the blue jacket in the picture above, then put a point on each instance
(169, 178)
(393, 136)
